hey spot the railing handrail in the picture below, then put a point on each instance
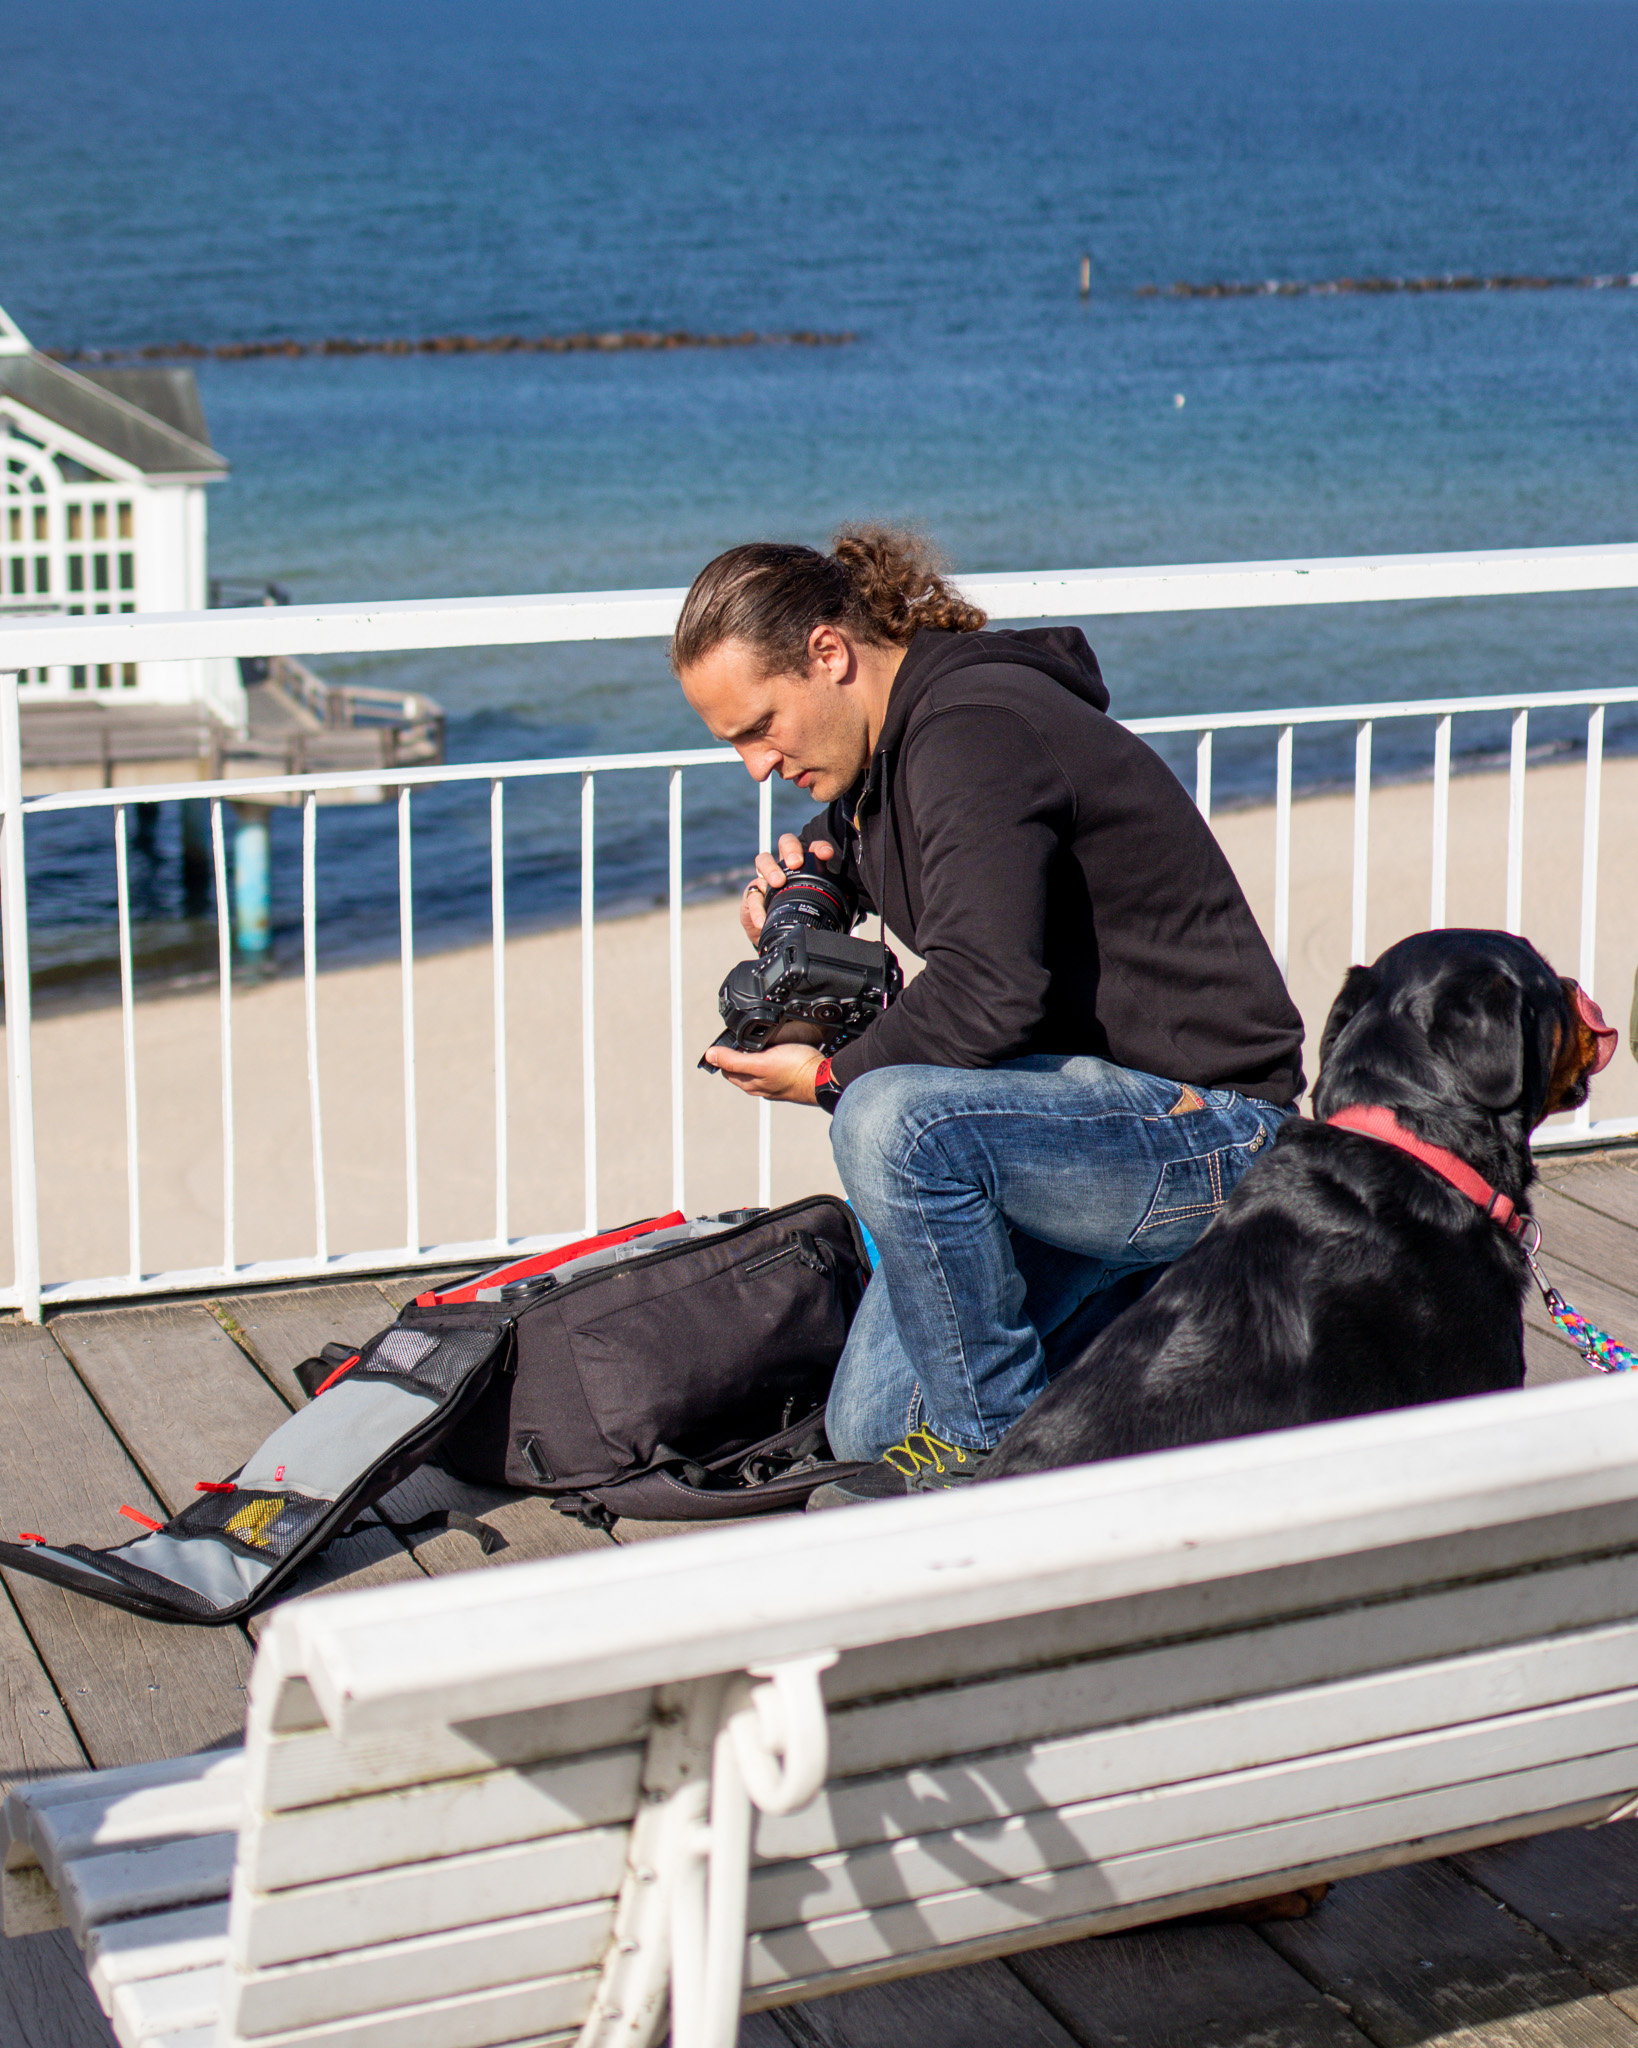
(415, 623)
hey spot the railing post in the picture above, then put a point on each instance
(1362, 841)
(1282, 851)
(674, 934)
(1586, 966)
(1441, 823)
(25, 1206)
(764, 1109)
(1518, 754)
(588, 989)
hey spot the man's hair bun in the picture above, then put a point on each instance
(881, 583)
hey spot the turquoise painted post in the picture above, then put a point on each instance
(251, 880)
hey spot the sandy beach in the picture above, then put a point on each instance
(80, 1112)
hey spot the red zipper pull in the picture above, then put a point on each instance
(137, 1515)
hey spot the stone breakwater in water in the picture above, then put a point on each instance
(448, 345)
(1329, 287)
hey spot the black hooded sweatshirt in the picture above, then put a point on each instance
(1052, 873)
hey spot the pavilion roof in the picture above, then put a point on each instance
(150, 418)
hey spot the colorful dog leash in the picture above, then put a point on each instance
(1602, 1352)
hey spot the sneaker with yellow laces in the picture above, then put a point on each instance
(922, 1463)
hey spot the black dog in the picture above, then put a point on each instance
(1343, 1275)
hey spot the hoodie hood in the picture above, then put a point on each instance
(1061, 652)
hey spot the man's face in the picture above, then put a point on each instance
(808, 729)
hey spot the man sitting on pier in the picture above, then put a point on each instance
(1099, 1042)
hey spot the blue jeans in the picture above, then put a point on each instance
(1000, 1200)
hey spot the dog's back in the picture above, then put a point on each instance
(1342, 1276)
(1334, 1281)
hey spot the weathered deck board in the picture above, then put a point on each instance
(1605, 1183)
(984, 2005)
(288, 1324)
(183, 1398)
(1420, 1956)
(134, 1690)
(46, 2000)
(1590, 1240)
(1182, 1987)
(37, 1739)
(1581, 1889)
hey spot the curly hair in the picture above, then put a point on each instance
(883, 585)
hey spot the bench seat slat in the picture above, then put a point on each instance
(307, 1994)
(1069, 1832)
(157, 1945)
(313, 1766)
(431, 1897)
(150, 2006)
(1464, 1561)
(1150, 1912)
(541, 2013)
(1102, 1691)
(451, 1818)
(147, 1880)
(1058, 1905)
(56, 1818)
(1242, 1734)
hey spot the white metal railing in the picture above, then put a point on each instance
(468, 622)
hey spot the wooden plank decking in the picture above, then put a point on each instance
(1529, 1945)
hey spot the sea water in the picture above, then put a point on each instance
(924, 176)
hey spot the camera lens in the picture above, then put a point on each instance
(811, 896)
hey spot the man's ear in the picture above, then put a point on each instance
(1356, 991)
(1477, 1026)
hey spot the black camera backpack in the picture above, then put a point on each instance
(673, 1370)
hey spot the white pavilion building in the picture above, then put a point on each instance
(103, 478)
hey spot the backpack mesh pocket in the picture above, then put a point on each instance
(436, 1364)
(269, 1525)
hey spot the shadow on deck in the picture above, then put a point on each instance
(1521, 1946)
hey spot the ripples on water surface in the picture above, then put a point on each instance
(926, 176)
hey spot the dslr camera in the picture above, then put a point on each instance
(809, 980)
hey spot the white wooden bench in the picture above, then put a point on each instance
(520, 1806)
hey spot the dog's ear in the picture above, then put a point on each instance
(1352, 997)
(1478, 1027)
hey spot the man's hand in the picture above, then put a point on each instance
(783, 1073)
(770, 874)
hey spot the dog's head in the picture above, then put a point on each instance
(1468, 1030)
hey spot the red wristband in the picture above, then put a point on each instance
(821, 1074)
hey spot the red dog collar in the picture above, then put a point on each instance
(1386, 1128)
